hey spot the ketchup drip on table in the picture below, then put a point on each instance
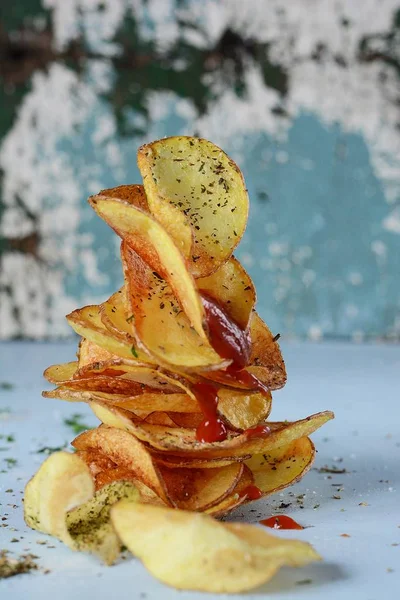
(281, 522)
(252, 492)
(231, 342)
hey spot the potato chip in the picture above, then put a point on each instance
(194, 189)
(116, 317)
(243, 409)
(146, 401)
(280, 467)
(60, 500)
(195, 552)
(87, 322)
(234, 290)
(59, 373)
(155, 246)
(192, 489)
(90, 353)
(162, 327)
(180, 441)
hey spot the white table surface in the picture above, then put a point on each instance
(360, 383)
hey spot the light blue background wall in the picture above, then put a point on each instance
(305, 96)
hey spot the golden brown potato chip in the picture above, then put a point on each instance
(283, 466)
(147, 401)
(192, 489)
(96, 461)
(60, 500)
(237, 497)
(90, 353)
(180, 441)
(164, 330)
(195, 552)
(243, 409)
(87, 322)
(169, 460)
(148, 375)
(62, 372)
(233, 289)
(127, 452)
(156, 248)
(266, 361)
(132, 193)
(115, 316)
(194, 189)
(103, 384)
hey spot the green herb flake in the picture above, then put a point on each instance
(16, 566)
(304, 582)
(76, 424)
(50, 449)
(6, 385)
(133, 351)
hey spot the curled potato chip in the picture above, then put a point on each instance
(243, 409)
(195, 190)
(62, 372)
(155, 246)
(233, 289)
(146, 401)
(87, 322)
(162, 327)
(192, 489)
(116, 317)
(195, 552)
(280, 467)
(240, 409)
(180, 441)
(90, 353)
(60, 500)
(169, 460)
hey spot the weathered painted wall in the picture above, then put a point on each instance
(304, 95)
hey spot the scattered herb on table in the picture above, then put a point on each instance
(9, 567)
(6, 385)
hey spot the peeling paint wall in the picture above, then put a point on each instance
(304, 95)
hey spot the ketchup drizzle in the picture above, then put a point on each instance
(226, 337)
(281, 522)
(230, 342)
(261, 431)
(212, 428)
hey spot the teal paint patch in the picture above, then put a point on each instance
(310, 240)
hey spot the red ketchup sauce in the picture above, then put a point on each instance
(212, 428)
(261, 431)
(252, 492)
(281, 522)
(230, 342)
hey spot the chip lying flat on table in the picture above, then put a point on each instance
(178, 367)
(194, 552)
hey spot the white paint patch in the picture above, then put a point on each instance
(315, 333)
(392, 222)
(355, 278)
